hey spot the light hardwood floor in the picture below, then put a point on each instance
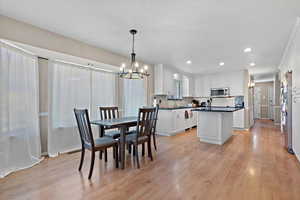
(251, 165)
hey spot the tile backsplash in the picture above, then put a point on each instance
(165, 102)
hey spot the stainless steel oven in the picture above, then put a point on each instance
(219, 92)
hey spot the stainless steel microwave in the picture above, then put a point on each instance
(219, 92)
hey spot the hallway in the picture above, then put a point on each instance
(251, 165)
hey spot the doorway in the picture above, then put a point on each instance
(263, 100)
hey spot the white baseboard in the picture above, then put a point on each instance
(240, 129)
(44, 154)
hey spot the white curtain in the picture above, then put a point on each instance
(134, 96)
(74, 87)
(103, 91)
(19, 123)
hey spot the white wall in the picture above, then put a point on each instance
(24, 33)
(291, 61)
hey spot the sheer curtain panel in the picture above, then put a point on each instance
(72, 87)
(103, 91)
(134, 96)
(19, 123)
(69, 89)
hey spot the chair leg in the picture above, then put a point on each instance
(133, 151)
(154, 141)
(143, 149)
(105, 155)
(81, 159)
(114, 152)
(100, 155)
(149, 149)
(92, 164)
(101, 134)
(116, 156)
(129, 148)
(137, 156)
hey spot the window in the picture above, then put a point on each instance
(75, 87)
(19, 124)
(134, 96)
(103, 91)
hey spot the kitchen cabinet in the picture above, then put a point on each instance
(187, 86)
(173, 121)
(235, 81)
(238, 119)
(202, 86)
(159, 80)
(167, 80)
(164, 82)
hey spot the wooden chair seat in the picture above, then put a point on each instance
(102, 142)
(116, 133)
(131, 138)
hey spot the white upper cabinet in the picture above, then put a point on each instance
(166, 82)
(159, 88)
(233, 80)
(169, 82)
(187, 86)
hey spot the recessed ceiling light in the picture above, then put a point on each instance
(221, 63)
(252, 64)
(189, 62)
(247, 50)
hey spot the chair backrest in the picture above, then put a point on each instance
(145, 122)
(84, 127)
(155, 119)
(109, 112)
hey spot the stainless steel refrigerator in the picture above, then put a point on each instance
(286, 111)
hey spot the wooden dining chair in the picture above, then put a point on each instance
(143, 132)
(108, 112)
(111, 112)
(154, 127)
(88, 142)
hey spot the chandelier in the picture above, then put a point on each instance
(134, 71)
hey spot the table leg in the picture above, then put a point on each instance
(122, 147)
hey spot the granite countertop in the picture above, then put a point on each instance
(218, 109)
(179, 107)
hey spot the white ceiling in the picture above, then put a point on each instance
(172, 31)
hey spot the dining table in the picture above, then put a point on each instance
(123, 124)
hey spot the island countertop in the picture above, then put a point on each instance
(218, 109)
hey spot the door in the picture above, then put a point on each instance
(263, 101)
(271, 104)
(257, 104)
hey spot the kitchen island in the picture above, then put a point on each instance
(214, 124)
